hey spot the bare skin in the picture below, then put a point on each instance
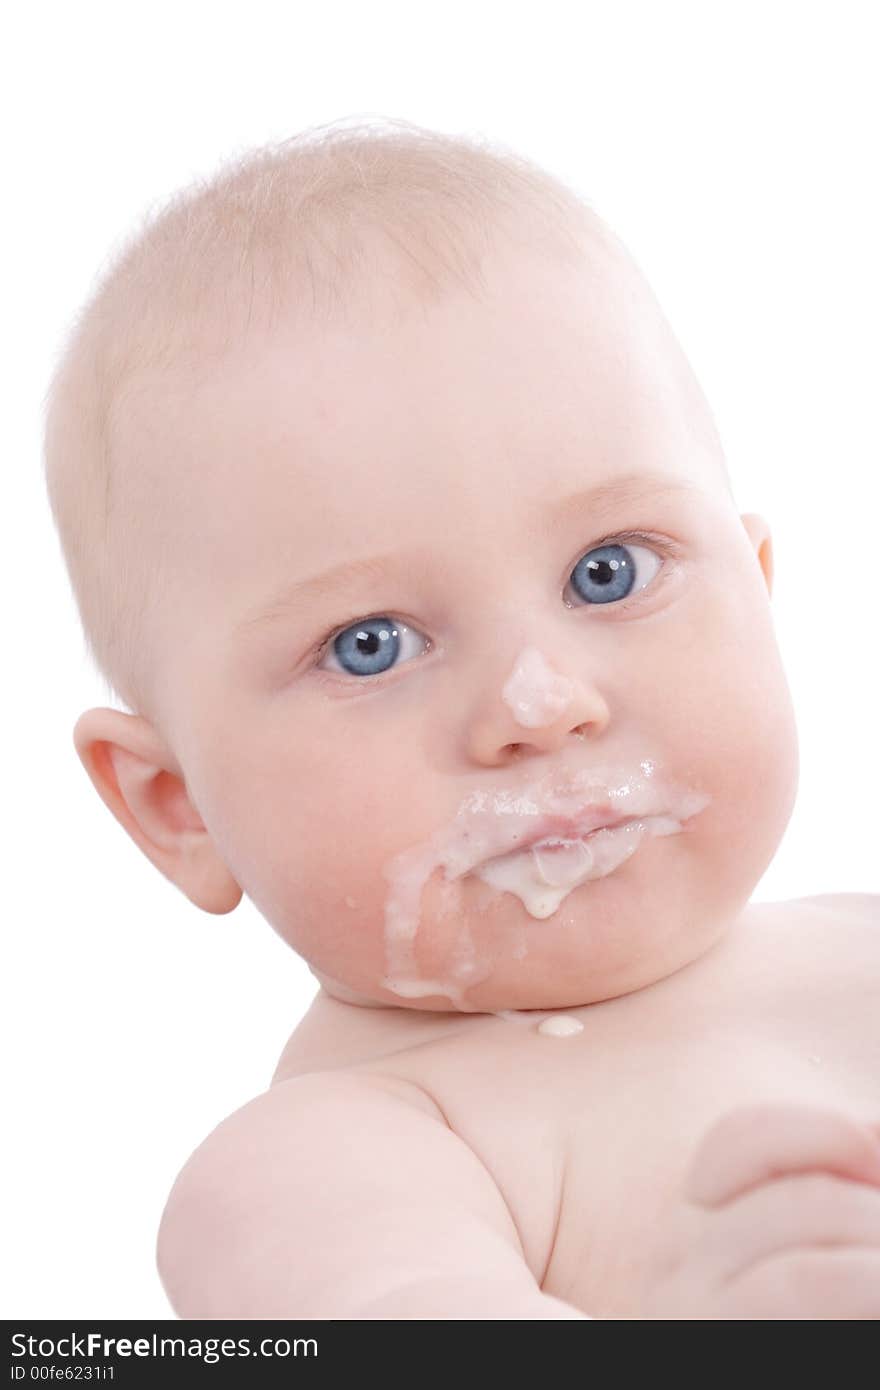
(565, 1190)
(420, 1156)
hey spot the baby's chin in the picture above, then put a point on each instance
(337, 990)
(518, 985)
(477, 950)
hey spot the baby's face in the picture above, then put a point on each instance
(412, 617)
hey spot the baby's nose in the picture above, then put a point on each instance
(538, 707)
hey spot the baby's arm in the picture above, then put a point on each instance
(340, 1195)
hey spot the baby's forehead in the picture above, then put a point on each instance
(294, 423)
(532, 323)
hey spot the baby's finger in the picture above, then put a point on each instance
(757, 1142)
(790, 1214)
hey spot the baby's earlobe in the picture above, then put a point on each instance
(758, 532)
(140, 782)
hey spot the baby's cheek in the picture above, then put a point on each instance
(362, 932)
(749, 766)
(333, 915)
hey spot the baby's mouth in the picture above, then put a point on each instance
(556, 834)
(539, 843)
(542, 871)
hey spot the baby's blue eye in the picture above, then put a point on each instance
(370, 647)
(606, 574)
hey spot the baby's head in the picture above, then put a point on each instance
(396, 517)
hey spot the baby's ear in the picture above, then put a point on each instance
(138, 778)
(758, 533)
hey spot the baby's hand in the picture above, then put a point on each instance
(780, 1220)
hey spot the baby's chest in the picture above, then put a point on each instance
(589, 1138)
(628, 1152)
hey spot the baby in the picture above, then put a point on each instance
(398, 520)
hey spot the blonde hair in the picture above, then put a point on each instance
(287, 225)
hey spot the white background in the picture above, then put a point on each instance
(733, 147)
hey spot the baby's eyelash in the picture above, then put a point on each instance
(661, 543)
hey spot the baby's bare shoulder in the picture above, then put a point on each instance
(846, 923)
(838, 933)
(324, 1192)
(815, 953)
(864, 906)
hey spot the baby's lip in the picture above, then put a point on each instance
(556, 826)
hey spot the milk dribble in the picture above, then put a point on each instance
(486, 839)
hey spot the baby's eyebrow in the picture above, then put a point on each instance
(352, 575)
